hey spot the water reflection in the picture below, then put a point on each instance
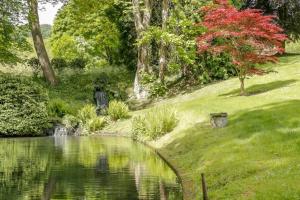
(83, 168)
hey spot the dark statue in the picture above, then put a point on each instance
(101, 97)
(101, 100)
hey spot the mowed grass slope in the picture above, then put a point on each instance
(257, 156)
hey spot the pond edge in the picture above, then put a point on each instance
(160, 154)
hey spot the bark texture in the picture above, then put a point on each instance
(38, 41)
(142, 22)
(163, 46)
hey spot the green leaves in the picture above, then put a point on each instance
(12, 32)
(83, 31)
(23, 107)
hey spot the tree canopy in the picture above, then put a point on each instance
(247, 36)
(13, 32)
(288, 13)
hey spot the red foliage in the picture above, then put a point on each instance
(245, 35)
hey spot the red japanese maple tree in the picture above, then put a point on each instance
(249, 37)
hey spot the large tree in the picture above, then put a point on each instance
(89, 31)
(34, 24)
(244, 35)
(163, 45)
(142, 17)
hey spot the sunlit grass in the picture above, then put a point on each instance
(257, 155)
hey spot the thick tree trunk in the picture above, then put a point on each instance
(163, 45)
(38, 41)
(142, 22)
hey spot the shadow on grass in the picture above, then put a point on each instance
(261, 88)
(265, 131)
(277, 117)
(289, 55)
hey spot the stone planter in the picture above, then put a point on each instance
(218, 120)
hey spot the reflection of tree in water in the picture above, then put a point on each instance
(23, 168)
(91, 168)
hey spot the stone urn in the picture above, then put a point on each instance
(218, 120)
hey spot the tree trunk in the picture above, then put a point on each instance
(242, 92)
(141, 24)
(33, 19)
(162, 191)
(163, 45)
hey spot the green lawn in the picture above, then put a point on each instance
(257, 156)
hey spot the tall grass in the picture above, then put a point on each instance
(117, 110)
(154, 123)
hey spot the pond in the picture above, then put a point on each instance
(83, 168)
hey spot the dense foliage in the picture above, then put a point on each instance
(92, 34)
(247, 36)
(12, 32)
(287, 13)
(23, 107)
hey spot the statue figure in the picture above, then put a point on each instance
(101, 100)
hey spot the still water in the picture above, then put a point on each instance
(83, 168)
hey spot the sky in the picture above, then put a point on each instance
(47, 14)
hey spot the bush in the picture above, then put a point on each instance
(155, 86)
(77, 63)
(87, 113)
(158, 89)
(155, 123)
(22, 107)
(59, 63)
(212, 68)
(70, 121)
(58, 108)
(117, 110)
(35, 65)
(96, 124)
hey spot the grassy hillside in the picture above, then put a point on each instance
(257, 155)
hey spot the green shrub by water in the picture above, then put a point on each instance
(118, 110)
(96, 124)
(22, 107)
(89, 119)
(70, 121)
(154, 123)
(58, 108)
(87, 113)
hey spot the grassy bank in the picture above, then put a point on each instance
(257, 155)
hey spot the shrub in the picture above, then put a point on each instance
(117, 110)
(96, 124)
(77, 63)
(156, 88)
(22, 107)
(35, 65)
(87, 113)
(59, 63)
(155, 123)
(58, 108)
(70, 121)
